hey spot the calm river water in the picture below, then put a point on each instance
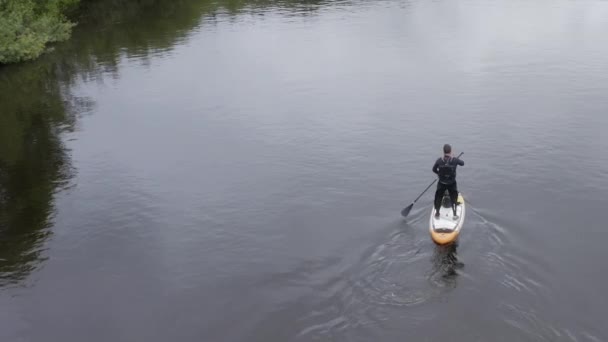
(235, 171)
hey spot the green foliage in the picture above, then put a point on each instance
(27, 26)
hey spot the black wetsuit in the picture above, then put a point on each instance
(445, 168)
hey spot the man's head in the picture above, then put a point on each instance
(447, 149)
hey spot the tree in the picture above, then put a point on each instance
(27, 26)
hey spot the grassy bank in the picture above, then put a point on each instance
(28, 26)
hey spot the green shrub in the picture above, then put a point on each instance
(27, 26)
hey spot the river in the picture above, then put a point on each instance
(234, 171)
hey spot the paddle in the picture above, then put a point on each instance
(406, 210)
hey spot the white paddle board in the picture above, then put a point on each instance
(445, 229)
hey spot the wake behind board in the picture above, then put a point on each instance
(445, 229)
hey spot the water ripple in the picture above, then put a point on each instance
(398, 274)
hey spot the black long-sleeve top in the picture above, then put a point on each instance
(452, 161)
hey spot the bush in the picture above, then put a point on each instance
(27, 26)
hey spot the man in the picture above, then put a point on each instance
(445, 168)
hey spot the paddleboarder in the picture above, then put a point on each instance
(445, 168)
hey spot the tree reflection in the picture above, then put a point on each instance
(33, 163)
(37, 105)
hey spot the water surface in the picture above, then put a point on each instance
(234, 171)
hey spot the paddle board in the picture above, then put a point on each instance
(445, 229)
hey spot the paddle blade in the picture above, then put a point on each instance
(406, 210)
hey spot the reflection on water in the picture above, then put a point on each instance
(33, 164)
(37, 105)
(445, 265)
(141, 30)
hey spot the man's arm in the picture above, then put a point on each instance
(436, 167)
(459, 162)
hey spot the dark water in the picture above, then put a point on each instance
(234, 171)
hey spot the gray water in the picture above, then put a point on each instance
(234, 171)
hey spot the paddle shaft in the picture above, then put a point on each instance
(425, 190)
